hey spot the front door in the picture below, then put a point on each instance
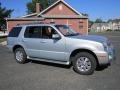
(53, 49)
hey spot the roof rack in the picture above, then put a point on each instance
(32, 23)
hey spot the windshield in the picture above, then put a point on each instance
(65, 30)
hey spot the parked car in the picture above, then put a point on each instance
(56, 43)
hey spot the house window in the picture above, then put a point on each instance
(81, 27)
(81, 22)
(52, 22)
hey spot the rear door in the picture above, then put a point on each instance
(31, 41)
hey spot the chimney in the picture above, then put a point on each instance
(37, 7)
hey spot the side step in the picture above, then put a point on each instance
(50, 61)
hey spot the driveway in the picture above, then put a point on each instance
(45, 76)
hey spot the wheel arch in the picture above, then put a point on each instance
(17, 46)
(83, 50)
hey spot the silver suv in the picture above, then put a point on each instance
(56, 43)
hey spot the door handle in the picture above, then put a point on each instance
(24, 40)
(43, 41)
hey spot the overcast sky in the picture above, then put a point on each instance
(104, 9)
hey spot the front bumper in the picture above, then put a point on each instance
(105, 57)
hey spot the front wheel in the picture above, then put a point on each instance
(20, 55)
(84, 63)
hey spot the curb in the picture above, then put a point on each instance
(3, 43)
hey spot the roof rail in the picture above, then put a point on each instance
(32, 23)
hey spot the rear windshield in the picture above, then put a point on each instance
(15, 32)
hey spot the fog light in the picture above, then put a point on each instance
(110, 57)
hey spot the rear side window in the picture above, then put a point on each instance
(33, 32)
(15, 32)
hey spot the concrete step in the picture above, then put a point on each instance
(3, 43)
(3, 34)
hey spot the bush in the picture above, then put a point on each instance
(109, 30)
(117, 29)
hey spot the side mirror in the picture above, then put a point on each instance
(56, 36)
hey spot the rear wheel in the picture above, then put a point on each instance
(20, 55)
(84, 63)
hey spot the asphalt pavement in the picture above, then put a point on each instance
(46, 76)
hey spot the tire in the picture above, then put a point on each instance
(84, 63)
(20, 55)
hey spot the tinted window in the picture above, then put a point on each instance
(33, 32)
(15, 32)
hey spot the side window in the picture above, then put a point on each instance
(15, 32)
(33, 32)
(47, 32)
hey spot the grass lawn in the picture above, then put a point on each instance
(3, 39)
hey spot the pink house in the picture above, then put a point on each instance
(60, 12)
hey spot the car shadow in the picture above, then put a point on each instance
(101, 68)
(51, 64)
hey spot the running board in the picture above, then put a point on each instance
(50, 61)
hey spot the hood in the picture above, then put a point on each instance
(96, 38)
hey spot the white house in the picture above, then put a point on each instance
(101, 27)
